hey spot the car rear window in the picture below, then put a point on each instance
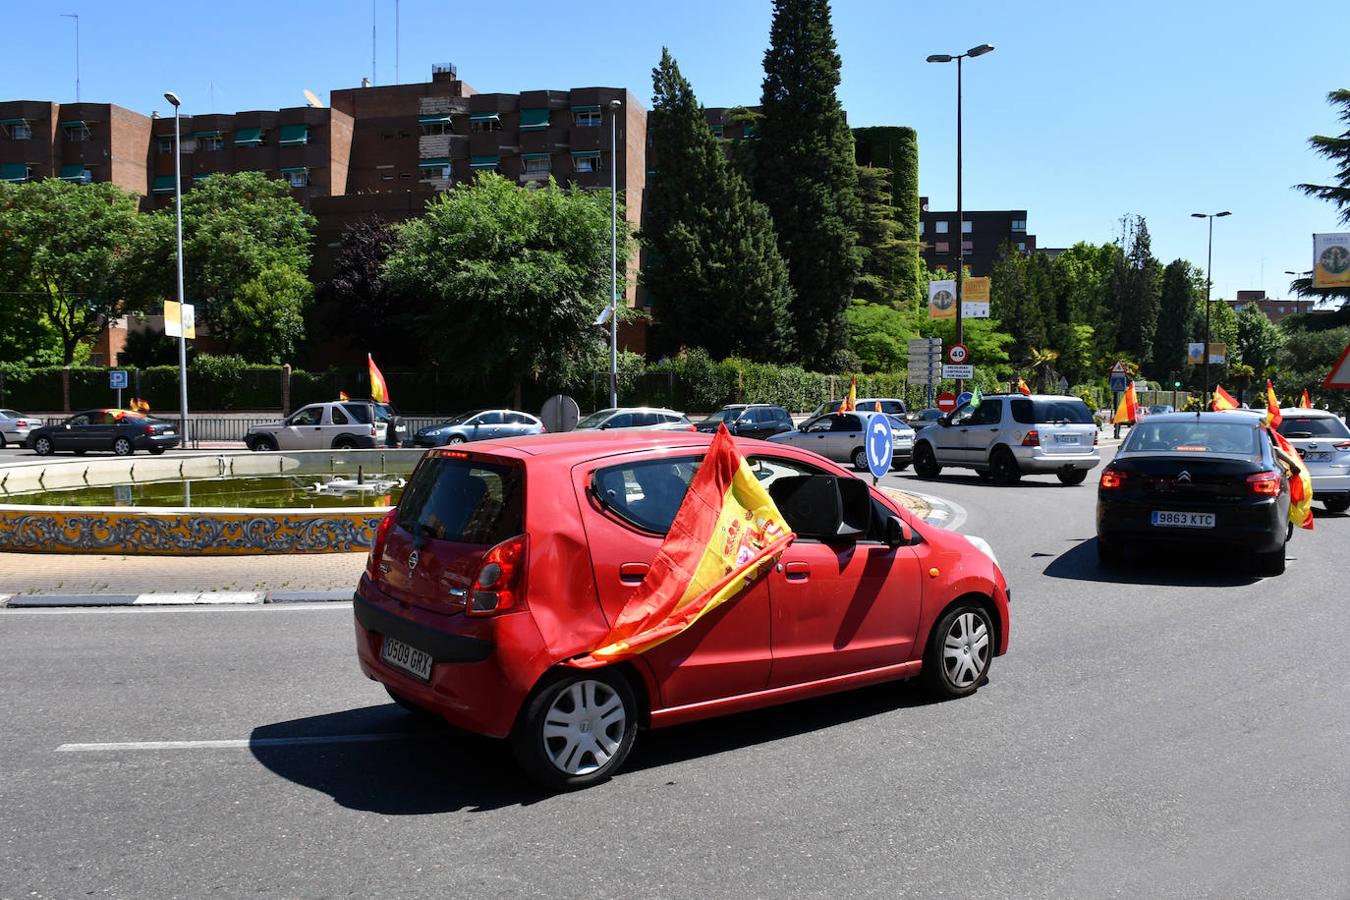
(1313, 426)
(1028, 411)
(461, 500)
(1193, 437)
(360, 412)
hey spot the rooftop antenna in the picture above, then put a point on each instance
(397, 33)
(374, 78)
(76, 17)
(312, 99)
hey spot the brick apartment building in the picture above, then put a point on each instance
(84, 142)
(983, 233)
(1275, 309)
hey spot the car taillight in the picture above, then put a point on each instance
(1112, 479)
(543, 429)
(149, 429)
(373, 432)
(377, 549)
(691, 428)
(22, 423)
(499, 585)
(1095, 436)
(1033, 439)
(1343, 445)
(1264, 484)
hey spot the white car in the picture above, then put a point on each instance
(344, 425)
(646, 417)
(14, 427)
(1322, 439)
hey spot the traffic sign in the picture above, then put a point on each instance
(880, 445)
(958, 354)
(1119, 368)
(946, 401)
(922, 343)
(1119, 382)
(1340, 373)
(958, 371)
(964, 397)
(1063, 385)
(117, 379)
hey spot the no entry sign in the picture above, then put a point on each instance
(946, 401)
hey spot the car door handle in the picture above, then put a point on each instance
(796, 571)
(632, 572)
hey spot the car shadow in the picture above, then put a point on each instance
(401, 764)
(1180, 566)
(1026, 481)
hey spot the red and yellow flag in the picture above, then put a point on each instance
(850, 403)
(1222, 400)
(1305, 403)
(1128, 410)
(379, 392)
(1273, 416)
(726, 534)
(1022, 386)
(1300, 481)
(342, 395)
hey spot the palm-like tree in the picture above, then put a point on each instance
(1042, 363)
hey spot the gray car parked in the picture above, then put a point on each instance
(841, 437)
(479, 425)
(14, 427)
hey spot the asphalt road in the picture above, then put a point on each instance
(1180, 730)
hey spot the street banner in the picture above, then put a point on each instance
(975, 298)
(1331, 260)
(180, 322)
(942, 299)
(1195, 353)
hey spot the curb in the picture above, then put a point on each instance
(206, 598)
(942, 513)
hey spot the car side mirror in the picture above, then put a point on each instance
(944, 421)
(898, 533)
(823, 507)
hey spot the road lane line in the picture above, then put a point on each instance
(151, 610)
(243, 743)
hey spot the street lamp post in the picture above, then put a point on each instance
(178, 237)
(1209, 286)
(981, 50)
(614, 106)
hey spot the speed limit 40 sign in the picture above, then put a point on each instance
(957, 354)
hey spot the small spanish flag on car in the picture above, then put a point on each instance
(1128, 411)
(1300, 481)
(1305, 403)
(1273, 415)
(342, 395)
(850, 403)
(1222, 400)
(1022, 386)
(727, 532)
(379, 391)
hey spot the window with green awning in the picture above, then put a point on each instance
(586, 116)
(202, 176)
(77, 172)
(163, 184)
(443, 119)
(13, 121)
(484, 116)
(533, 119)
(435, 162)
(248, 137)
(73, 123)
(534, 156)
(13, 171)
(292, 135)
(484, 162)
(206, 134)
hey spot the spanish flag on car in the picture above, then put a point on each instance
(1273, 415)
(1305, 403)
(1222, 400)
(1300, 481)
(1022, 386)
(850, 402)
(379, 392)
(726, 534)
(1128, 411)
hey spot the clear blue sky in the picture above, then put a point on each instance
(1083, 113)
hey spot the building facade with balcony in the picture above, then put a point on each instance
(983, 233)
(81, 142)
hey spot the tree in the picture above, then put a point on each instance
(65, 249)
(879, 336)
(1258, 340)
(1014, 303)
(1335, 148)
(357, 295)
(887, 274)
(511, 280)
(267, 317)
(713, 268)
(1083, 283)
(1135, 292)
(805, 173)
(1305, 359)
(896, 149)
(1178, 309)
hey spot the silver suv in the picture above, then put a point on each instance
(1011, 435)
(348, 425)
(1322, 439)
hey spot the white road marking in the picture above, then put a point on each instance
(242, 744)
(147, 610)
(189, 599)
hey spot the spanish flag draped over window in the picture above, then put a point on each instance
(850, 403)
(1300, 481)
(726, 534)
(1022, 386)
(1273, 416)
(379, 392)
(1222, 400)
(1128, 410)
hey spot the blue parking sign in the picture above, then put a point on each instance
(880, 445)
(117, 379)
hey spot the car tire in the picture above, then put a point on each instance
(43, 446)
(900, 467)
(1003, 467)
(1337, 504)
(123, 447)
(1109, 554)
(417, 710)
(984, 475)
(453, 439)
(1268, 565)
(960, 648)
(925, 463)
(555, 741)
(2, 442)
(860, 459)
(344, 443)
(1072, 476)
(156, 451)
(263, 445)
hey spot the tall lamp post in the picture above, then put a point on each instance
(614, 106)
(178, 215)
(981, 50)
(1209, 286)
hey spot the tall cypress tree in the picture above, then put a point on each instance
(1177, 313)
(1135, 289)
(713, 267)
(805, 174)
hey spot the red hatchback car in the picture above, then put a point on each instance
(502, 562)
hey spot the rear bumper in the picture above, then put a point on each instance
(1258, 527)
(1036, 460)
(424, 441)
(478, 681)
(1330, 485)
(16, 436)
(155, 441)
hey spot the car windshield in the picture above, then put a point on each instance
(1313, 426)
(463, 417)
(1027, 411)
(595, 419)
(463, 501)
(724, 415)
(1238, 438)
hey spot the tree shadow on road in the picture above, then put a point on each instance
(423, 767)
(1181, 566)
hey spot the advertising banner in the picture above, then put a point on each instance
(179, 322)
(1331, 260)
(942, 299)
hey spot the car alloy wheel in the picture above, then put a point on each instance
(263, 445)
(577, 730)
(122, 447)
(925, 463)
(960, 648)
(42, 447)
(860, 459)
(454, 439)
(1337, 504)
(1004, 467)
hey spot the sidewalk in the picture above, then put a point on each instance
(51, 573)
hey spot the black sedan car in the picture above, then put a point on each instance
(752, 420)
(1196, 479)
(117, 430)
